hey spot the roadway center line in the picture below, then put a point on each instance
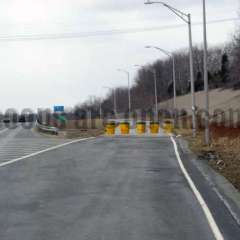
(4, 164)
(213, 225)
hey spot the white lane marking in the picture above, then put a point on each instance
(43, 151)
(213, 225)
(4, 130)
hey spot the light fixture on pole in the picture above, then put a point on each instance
(187, 19)
(139, 66)
(129, 91)
(171, 55)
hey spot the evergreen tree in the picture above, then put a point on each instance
(170, 89)
(225, 71)
(199, 84)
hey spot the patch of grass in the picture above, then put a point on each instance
(72, 134)
(223, 154)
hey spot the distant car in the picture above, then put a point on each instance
(22, 119)
(6, 120)
(27, 118)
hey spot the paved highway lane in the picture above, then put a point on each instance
(106, 188)
(18, 141)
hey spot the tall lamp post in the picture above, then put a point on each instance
(100, 109)
(187, 19)
(114, 99)
(207, 132)
(129, 90)
(171, 55)
(155, 89)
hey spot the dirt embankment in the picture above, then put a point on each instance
(84, 133)
(73, 129)
(224, 152)
(220, 99)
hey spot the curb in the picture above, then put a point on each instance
(225, 191)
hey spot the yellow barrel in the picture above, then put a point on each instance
(141, 127)
(168, 127)
(125, 128)
(110, 128)
(154, 127)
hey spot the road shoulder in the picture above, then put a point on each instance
(217, 191)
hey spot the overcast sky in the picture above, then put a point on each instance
(47, 72)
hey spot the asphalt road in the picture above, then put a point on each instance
(18, 141)
(106, 188)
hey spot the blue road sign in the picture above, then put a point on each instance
(58, 108)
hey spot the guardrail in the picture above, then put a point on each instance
(48, 129)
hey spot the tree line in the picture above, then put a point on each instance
(223, 72)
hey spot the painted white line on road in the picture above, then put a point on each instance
(213, 225)
(4, 130)
(43, 151)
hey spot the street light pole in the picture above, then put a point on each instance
(156, 96)
(171, 55)
(114, 99)
(129, 90)
(174, 84)
(115, 102)
(100, 109)
(207, 132)
(187, 19)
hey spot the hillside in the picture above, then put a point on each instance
(219, 99)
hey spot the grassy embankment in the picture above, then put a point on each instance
(224, 152)
(79, 128)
